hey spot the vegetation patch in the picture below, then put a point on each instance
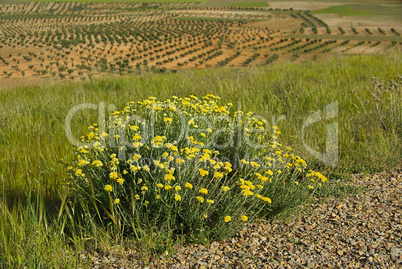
(249, 4)
(211, 19)
(343, 11)
(178, 167)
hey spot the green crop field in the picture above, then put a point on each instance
(342, 10)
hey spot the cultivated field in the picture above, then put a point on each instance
(76, 40)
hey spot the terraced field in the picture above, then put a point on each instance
(76, 40)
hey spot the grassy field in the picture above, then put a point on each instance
(342, 10)
(33, 139)
(249, 4)
(35, 114)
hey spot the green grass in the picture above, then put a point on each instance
(343, 11)
(210, 19)
(32, 117)
(249, 4)
(32, 138)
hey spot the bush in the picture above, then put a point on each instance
(186, 166)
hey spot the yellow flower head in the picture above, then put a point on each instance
(144, 188)
(177, 197)
(188, 185)
(227, 218)
(168, 187)
(137, 144)
(209, 201)
(168, 120)
(78, 172)
(224, 188)
(134, 127)
(203, 172)
(159, 185)
(120, 180)
(200, 199)
(204, 158)
(146, 168)
(97, 163)
(169, 177)
(117, 201)
(134, 168)
(203, 191)
(177, 188)
(266, 199)
(244, 218)
(114, 175)
(82, 163)
(247, 193)
(108, 188)
(269, 172)
(218, 175)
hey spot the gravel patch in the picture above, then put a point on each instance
(358, 231)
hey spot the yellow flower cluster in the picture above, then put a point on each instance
(188, 171)
(316, 175)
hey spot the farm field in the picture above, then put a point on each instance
(76, 40)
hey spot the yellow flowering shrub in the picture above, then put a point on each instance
(187, 165)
